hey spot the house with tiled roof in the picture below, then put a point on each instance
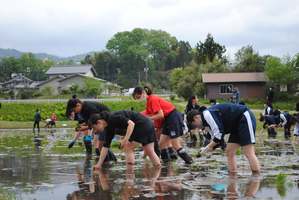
(69, 70)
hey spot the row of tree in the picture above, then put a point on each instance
(27, 64)
(155, 56)
(142, 55)
(133, 56)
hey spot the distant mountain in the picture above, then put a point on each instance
(17, 54)
(10, 53)
(78, 58)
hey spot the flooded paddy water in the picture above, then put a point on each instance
(43, 168)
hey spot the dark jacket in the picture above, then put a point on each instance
(223, 118)
(37, 117)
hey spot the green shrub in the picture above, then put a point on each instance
(172, 97)
(47, 91)
(66, 92)
(27, 94)
(4, 95)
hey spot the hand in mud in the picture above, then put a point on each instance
(272, 126)
(205, 150)
(222, 145)
(123, 143)
(97, 167)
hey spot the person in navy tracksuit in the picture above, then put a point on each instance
(285, 121)
(296, 118)
(234, 119)
(279, 119)
(270, 122)
(268, 109)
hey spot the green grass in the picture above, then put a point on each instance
(280, 182)
(20, 115)
(24, 112)
(6, 195)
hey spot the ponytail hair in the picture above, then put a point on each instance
(148, 90)
(139, 90)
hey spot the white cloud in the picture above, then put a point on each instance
(67, 27)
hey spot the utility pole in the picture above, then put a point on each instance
(146, 71)
(139, 83)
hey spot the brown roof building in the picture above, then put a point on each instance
(221, 85)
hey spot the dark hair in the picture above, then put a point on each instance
(296, 117)
(213, 101)
(190, 100)
(276, 112)
(202, 108)
(74, 96)
(189, 105)
(93, 119)
(269, 104)
(293, 119)
(105, 115)
(242, 103)
(138, 90)
(37, 110)
(148, 90)
(71, 104)
(191, 115)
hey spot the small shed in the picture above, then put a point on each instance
(221, 85)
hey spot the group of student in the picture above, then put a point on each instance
(160, 126)
(50, 122)
(158, 129)
(274, 118)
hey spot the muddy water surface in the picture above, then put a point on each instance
(42, 167)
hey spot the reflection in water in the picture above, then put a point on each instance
(91, 185)
(37, 143)
(23, 169)
(151, 184)
(33, 172)
(251, 187)
(167, 182)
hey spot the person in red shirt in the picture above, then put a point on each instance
(167, 119)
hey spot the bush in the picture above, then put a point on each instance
(26, 94)
(92, 88)
(74, 89)
(47, 91)
(66, 92)
(284, 96)
(172, 97)
(4, 95)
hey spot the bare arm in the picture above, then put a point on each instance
(159, 115)
(104, 152)
(129, 132)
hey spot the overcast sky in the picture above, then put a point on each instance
(69, 27)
